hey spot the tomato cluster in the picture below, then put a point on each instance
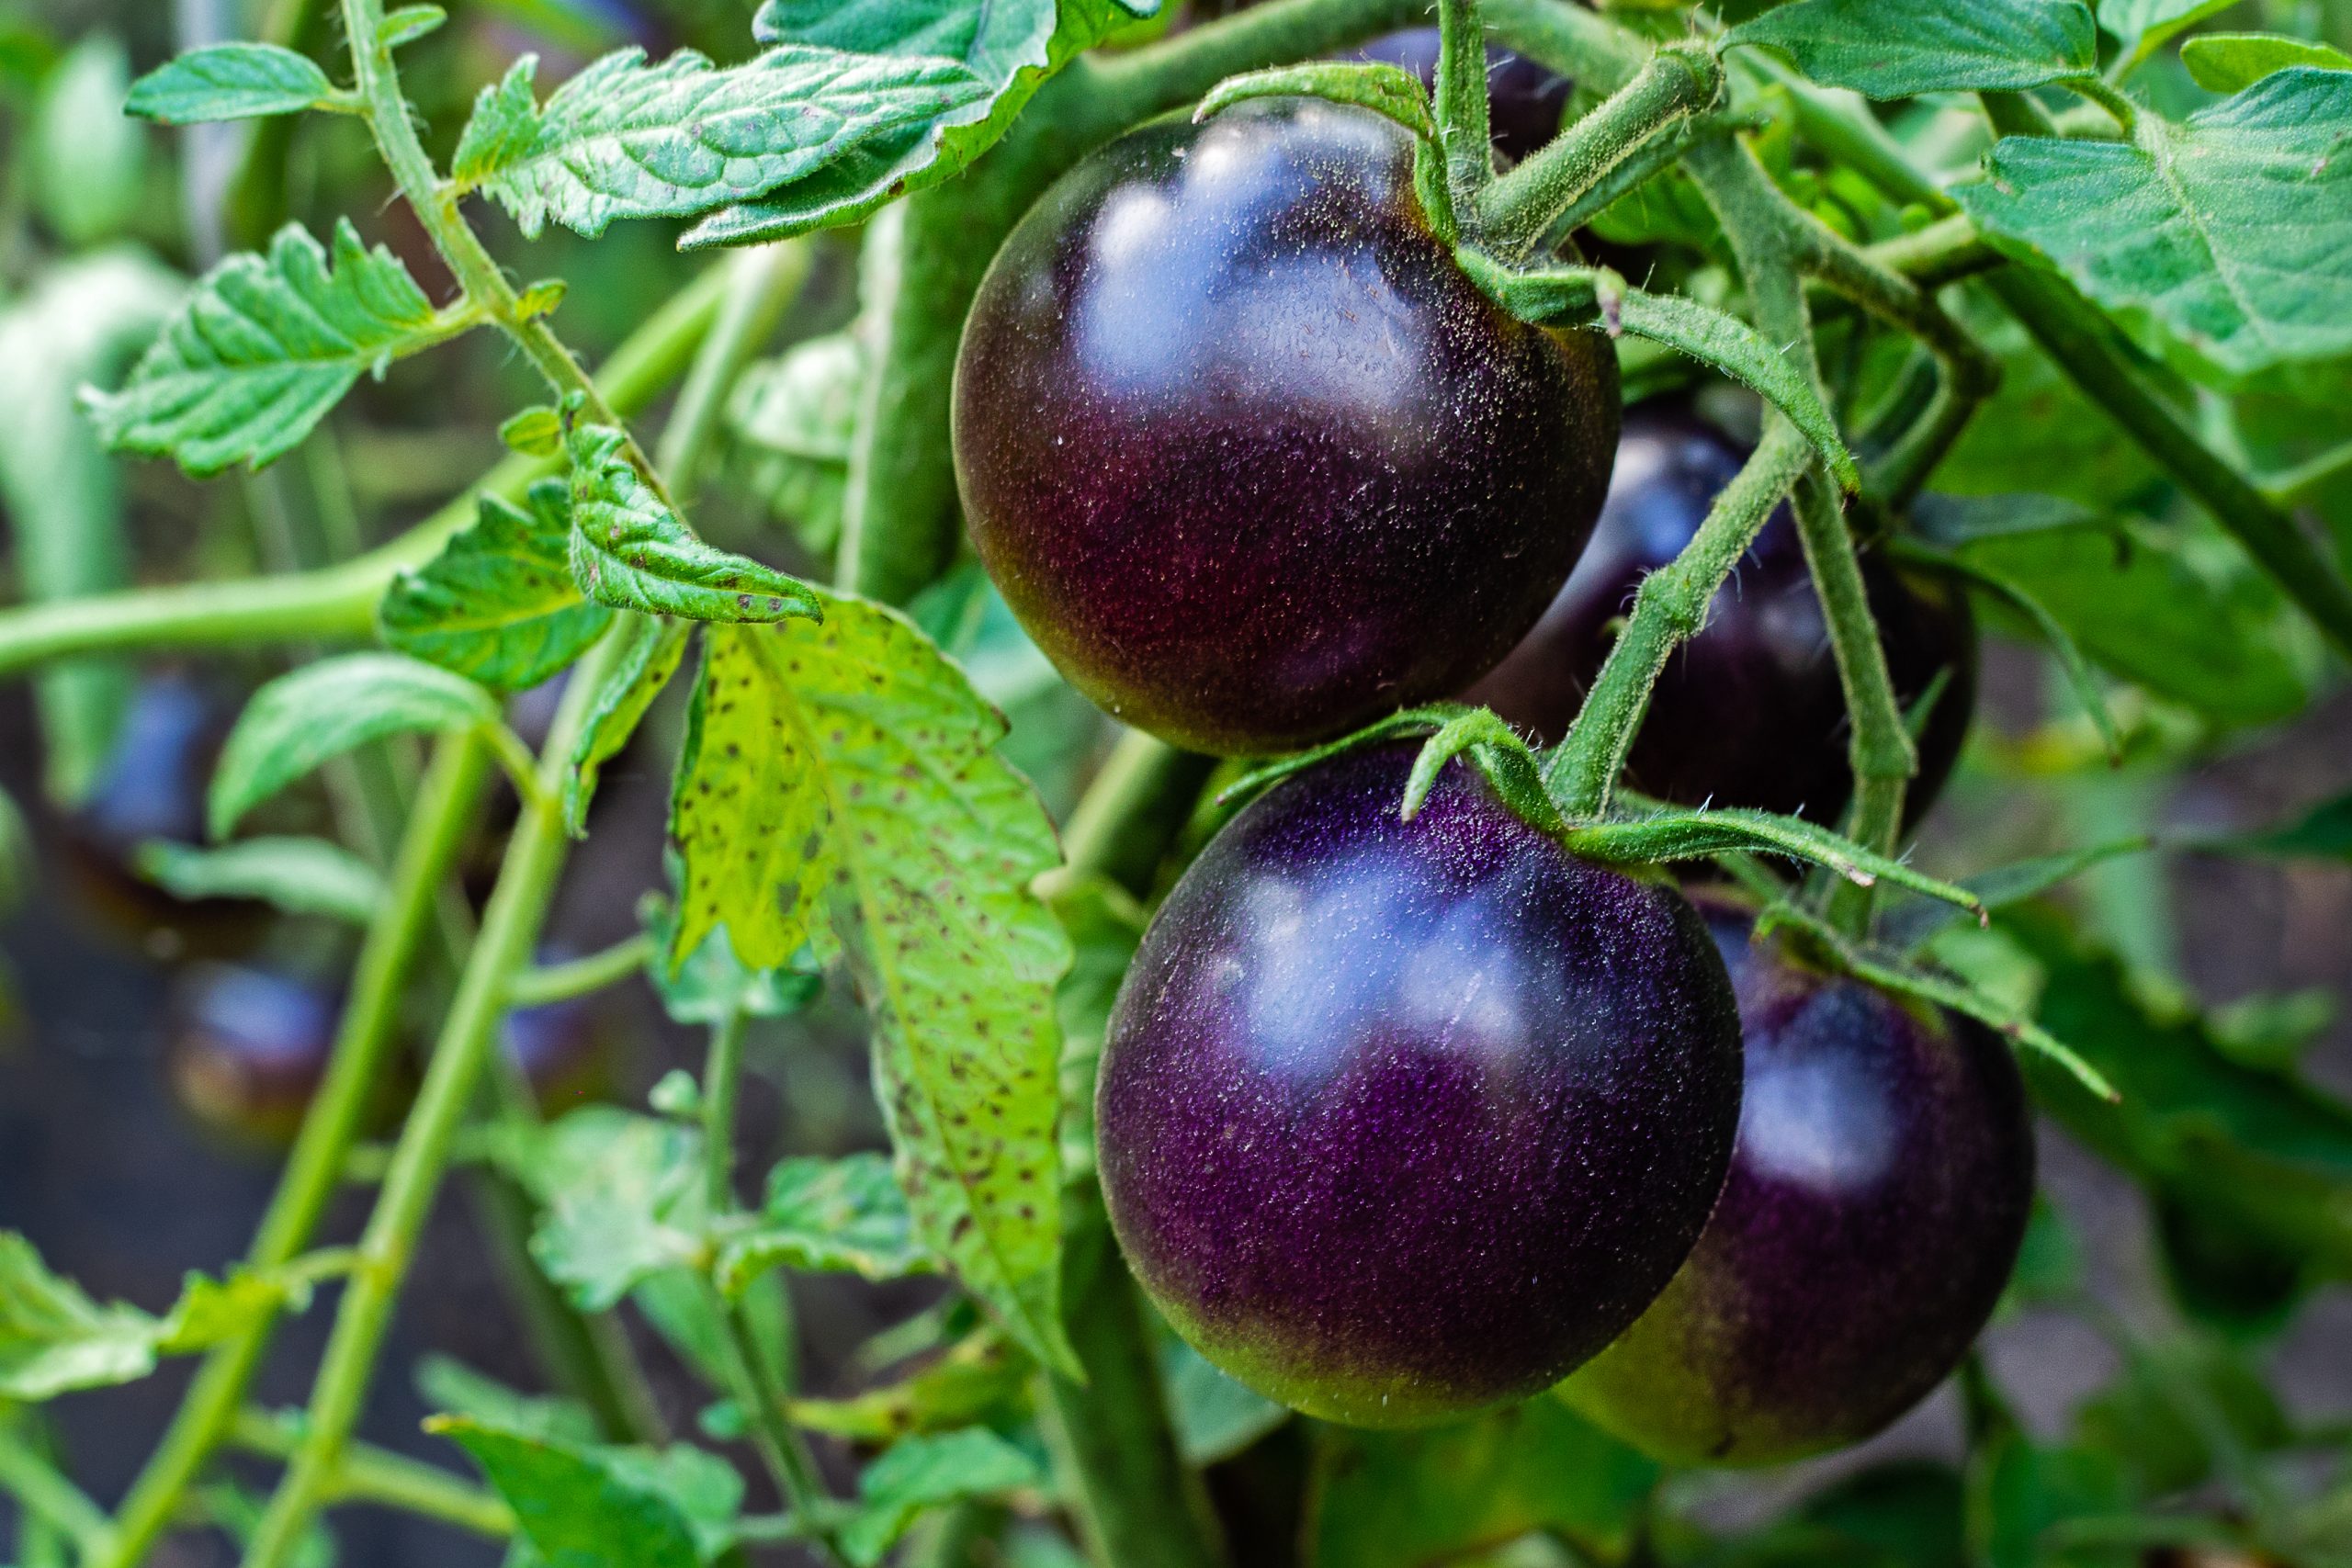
(1401, 1118)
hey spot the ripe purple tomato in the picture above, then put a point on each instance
(1249, 456)
(1877, 1196)
(1524, 101)
(1749, 711)
(1399, 1120)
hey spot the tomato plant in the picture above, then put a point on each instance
(842, 666)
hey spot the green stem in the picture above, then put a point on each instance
(2122, 111)
(782, 1448)
(534, 856)
(1768, 249)
(1515, 210)
(1132, 810)
(1944, 252)
(1578, 43)
(560, 982)
(338, 603)
(898, 528)
(1669, 607)
(762, 283)
(447, 802)
(1462, 107)
(44, 1492)
(369, 1474)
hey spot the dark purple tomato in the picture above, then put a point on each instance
(1248, 455)
(1749, 711)
(1877, 1196)
(1400, 1119)
(1524, 101)
(248, 1049)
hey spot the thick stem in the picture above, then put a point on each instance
(1768, 247)
(1578, 43)
(338, 603)
(1462, 107)
(1669, 607)
(898, 527)
(447, 804)
(1515, 210)
(534, 857)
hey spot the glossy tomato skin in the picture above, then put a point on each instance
(1524, 102)
(1877, 1197)
(1750, 711)
(1248, 455)
(1400, 1119)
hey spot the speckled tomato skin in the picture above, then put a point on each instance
(1877, 1197)
(1398, 1121)
(1750, 711)
(1249, 456)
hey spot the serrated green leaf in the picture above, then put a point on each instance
(2146, 25)
(1011, 47)
(322, 710)
(842, 1216)
(628, 139)
(582, 1506)
(712, 984)
(264, 346)
(622, 1200)
(54, 1338)
(2231, 63)
(839, 789)
(228, 81)
(923, 1473)
(1417, 1499)
(1898, 49)
(297, 876)
(2231, 232)
(634, 679)
(631, 551)
(498, 605)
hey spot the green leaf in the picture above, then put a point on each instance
(230, 81)
(842, 1216)
(409, 24)
(498, 605)
(581, 1505)
(979, 1375)
(1596, 297)
(534, 432)
(628, 139)
(1010, 47)
(2182, 1408)
(923, 1473)
(54, 1338)
(2229, 63)
(631, 551)
(264, 346)
(2053, 636)
(1899, 48)
(2012, 883)
(1105, 925)
(839, 789)
(712, 984)
(2192, 625)
(2231, 232)
(61, 495)
(635, 677)
(453, 1388)
(795, 416)
(2324, 832)
(2146, 25)
(87, 160)
(1215, 1416)
(297, 876)
(1390, 91)
(322, 710)
(1417, 1499)
(622, 1196)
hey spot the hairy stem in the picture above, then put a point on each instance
(1462, 107)
(337, 604)
(1669, 607)
(510, 924)
(1515, 210)
(898, 527)
(447, 804)
(1576, 42)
